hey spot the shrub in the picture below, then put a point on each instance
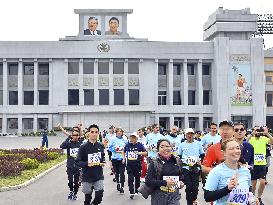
(52, 155)
(30, 163)
(10, 168)
(11, 157)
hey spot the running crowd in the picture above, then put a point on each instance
(228, 162)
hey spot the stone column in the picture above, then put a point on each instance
(20, 82)
(186, 84)
(126, 80)
(5, 86)
(35, 81)
(199, 82)
(111, 86)
(170, 82)
(96, 82)
(80, 79)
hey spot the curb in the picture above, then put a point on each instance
(34, 179)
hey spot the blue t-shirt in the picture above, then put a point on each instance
(176, 141)
(190, 153)
(152, 140)
(208, 139)
(131, 152)
(219, 178)
(109, 137)
(116, 146)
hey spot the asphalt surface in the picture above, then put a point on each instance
(52, 189)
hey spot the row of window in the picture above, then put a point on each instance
(28, 69)
(73, 97)
(177, 99)
(179, 122)
(103, 67)
(177, 69)
(27, 123)
(28, 97)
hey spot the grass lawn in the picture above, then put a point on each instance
(28, 174)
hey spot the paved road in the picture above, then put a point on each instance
(52, 189)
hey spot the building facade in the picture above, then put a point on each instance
(106, 77)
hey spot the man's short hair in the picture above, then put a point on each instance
(114, 18)
(154, 126)
(92, 17)
(93, 126)
(212, 123)
(239, 123)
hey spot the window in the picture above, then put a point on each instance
(28, 97)
(133, 68)
(190, 67)
(1, 97)
(191, 97)
(206, 122)
(42, 123)
(88, 97)
(206, 97)
(269, 98)
(268, 79)
(104, 97)
(13, 97)
(28, 68)
(13, 68)
(103, 68)
(73, 97)
(27, 123)
(43, 68)
(164, 122)
(118, 97)
(1, 69)
(73, 67)
(118, 68)
(88, 67)
(162, 97)
(162, 69)
(205, 69)
(176, 97)
(133, 97)
(192, 122)
(43, 97)
(176, 69)
(1, 124)
(12, 123)
(178, 121)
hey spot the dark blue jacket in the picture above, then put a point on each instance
(247, 154)
(138, 147)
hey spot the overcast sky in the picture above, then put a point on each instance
(157, 20)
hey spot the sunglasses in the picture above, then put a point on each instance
(75, 135)
(236, 130)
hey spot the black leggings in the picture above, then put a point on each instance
(119, 168)
(73, 179)
(134, 173)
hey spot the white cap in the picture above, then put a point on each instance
(135, 134)
(188, 130)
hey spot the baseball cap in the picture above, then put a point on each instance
(189, 130)
(226, 122)
(134, 134)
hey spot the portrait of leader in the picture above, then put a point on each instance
(92, 27)
(114, 26)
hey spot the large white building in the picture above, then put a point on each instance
(112, 78)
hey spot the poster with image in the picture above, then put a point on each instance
(92, 25)
(240, 82)
(113, 25)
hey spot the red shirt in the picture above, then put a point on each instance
(214, 156)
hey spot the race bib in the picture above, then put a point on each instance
(175, 150)
(153, 147)
(74, 152)
(132, 156)
(238, 197)
(94, 158)
(174, 178)
(259, 157)
(119, 149)
(190, 160)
